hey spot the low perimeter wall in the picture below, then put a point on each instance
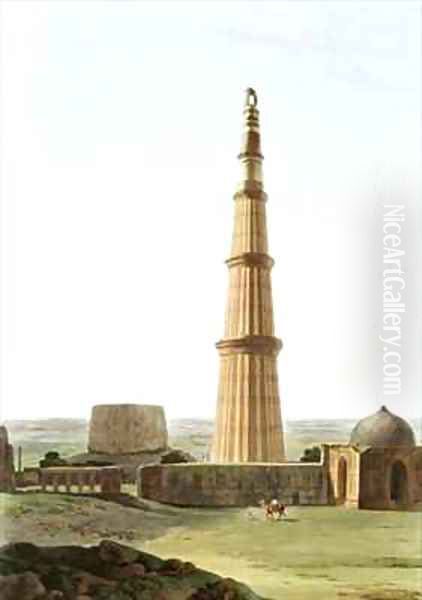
(81, 479)
(245, 484)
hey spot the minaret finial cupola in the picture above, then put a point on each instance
(250, 154)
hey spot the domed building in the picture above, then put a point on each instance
(383, 429)
(390, 472)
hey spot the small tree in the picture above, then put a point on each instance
(52, 459)
(311, 454)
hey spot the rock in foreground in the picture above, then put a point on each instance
(109, 571)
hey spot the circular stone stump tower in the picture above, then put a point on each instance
(127, 429)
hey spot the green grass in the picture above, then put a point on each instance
(318, 553)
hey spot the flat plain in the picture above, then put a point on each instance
(316, 553)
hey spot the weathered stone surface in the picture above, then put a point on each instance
(7, 470)
(391, 478)
(383, 430)
(224, 589)
(128, 463)
(342, 466)
(29, 477)
(107, 480)
(127, 429)
(242, 484)
(132, 570)
(22, 586)
(80, 573)
(84, 582)
(117, 554)
(333, 480)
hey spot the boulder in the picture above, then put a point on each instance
(25, 586)
(117, 554)
(108, 571)
(134, 569)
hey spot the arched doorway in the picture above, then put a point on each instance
(342, 481)
(398, 484)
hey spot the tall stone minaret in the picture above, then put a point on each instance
(248, 421)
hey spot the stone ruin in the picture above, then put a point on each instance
(120, 435)
(7, 469)
(127, 429)
(128, 435)
(331, 481)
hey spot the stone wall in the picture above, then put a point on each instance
(29, 477)
(391, 478)
(127, 429)
(243, 484)
(7, 470)
(81, 479)
(341, 463)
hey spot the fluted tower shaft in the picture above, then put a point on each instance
(248, 421)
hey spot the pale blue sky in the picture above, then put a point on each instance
(122, 122)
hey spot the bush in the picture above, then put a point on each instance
(311, 454)
(52, 459)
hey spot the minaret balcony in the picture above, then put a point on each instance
(250, 344)
(251, 259)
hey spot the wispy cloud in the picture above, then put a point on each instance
(343, 50)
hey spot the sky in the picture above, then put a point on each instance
(121, 123)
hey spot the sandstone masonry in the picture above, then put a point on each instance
(7, 470)
(117, 429)
(332, 481)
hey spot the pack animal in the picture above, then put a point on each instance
(274, 509)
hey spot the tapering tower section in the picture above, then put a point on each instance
(248, 422)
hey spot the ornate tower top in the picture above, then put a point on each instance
(250, 152)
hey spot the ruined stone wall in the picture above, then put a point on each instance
(341, 463)
(376, 472)
(29, 477)
(81, 479)
(127, 429)
(7, 470)
(243, 484)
